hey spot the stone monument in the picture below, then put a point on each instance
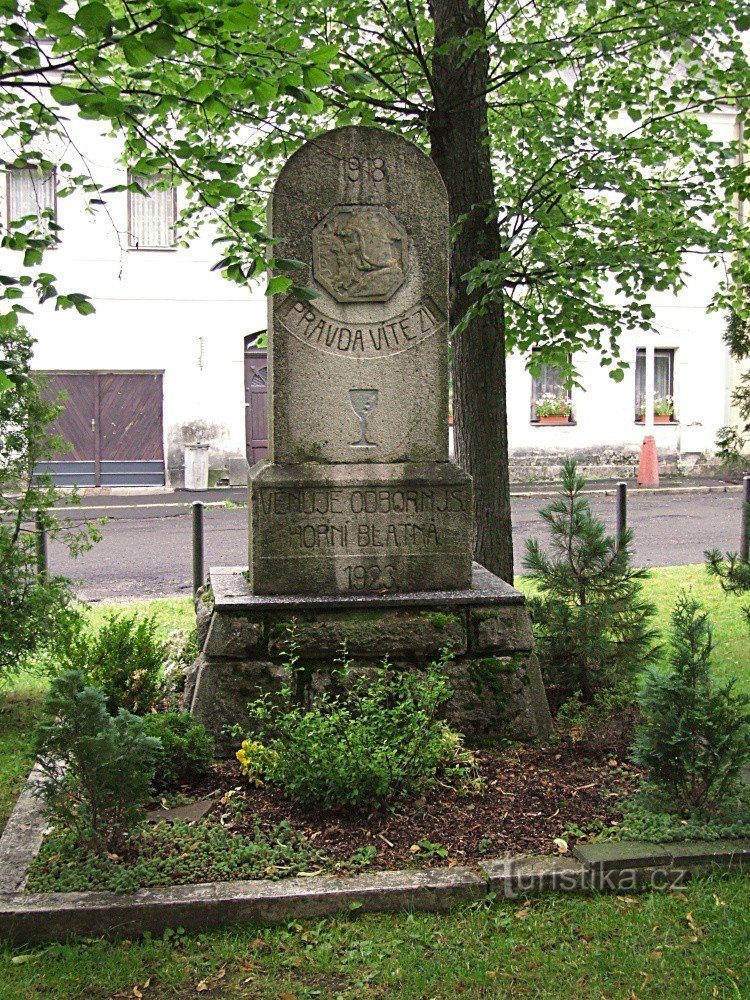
(358, 495)
(360, 525)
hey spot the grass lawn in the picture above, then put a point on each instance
(689, 944)
(692, 943)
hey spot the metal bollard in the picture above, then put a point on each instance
(198, 577)
(41, 545)
(622, 512)
(745, 532)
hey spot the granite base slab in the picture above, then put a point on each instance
(498, 689)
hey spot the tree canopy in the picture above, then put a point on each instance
(574, 139)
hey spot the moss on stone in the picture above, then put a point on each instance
(490, 674)
(442, 619)
(310, 452)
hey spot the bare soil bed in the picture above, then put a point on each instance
(531, 796)
(528, 797)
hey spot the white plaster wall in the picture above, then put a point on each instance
(155, 310)
(166, 310)
(603, 410)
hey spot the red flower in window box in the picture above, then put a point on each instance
(551, 409)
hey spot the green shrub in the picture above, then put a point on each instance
(180, 652)
(606, 718)
(97, 769)
(378, 739)
(591, 622)
(695, 737)
(124, 658)
(34, 606)
(186, 749)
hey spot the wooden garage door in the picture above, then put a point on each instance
(256, 404)
(113, 423)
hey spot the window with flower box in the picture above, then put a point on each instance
(663, 385)
(550, 397)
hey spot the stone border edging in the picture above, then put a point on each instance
(622, 866)
(22, 836)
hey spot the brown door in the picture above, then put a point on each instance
(113, 423)
(256, 404)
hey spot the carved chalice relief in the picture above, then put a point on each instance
(363, 403)
(360, 253)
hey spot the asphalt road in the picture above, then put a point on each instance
(145, 551)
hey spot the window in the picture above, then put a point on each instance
(663, 383)
(31, 192)
(152, 215)
(548, 389)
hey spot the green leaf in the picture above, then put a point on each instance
(289, 43)
(305, 294)
(278, 284)
(59, 23)
(314, 76)
(135, 52)
(264, 92)
(32, 257)
(65, 95)
(160, 41)
(93, 16)
(287, 264)
(85, 307)
(617, 374)
(201, 90)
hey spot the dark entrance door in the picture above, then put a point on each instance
(113, 423)
(256, 404)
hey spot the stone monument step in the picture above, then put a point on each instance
(231, 591)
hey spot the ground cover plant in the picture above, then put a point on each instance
(173, 853)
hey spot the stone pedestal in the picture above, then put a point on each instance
(338, 529)
(494, 673)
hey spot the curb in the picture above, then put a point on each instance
(608, 491)
(31, 917)
(23, 835)
(37, 916)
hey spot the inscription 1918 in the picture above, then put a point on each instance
(363, 178)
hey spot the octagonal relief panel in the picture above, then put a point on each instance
(360, 253)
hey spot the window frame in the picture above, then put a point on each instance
(533, 418)
(133, 244)
(9, 173)
(670, 353)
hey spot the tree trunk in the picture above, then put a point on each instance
(459, 147)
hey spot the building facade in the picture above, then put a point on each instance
(170, 358)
